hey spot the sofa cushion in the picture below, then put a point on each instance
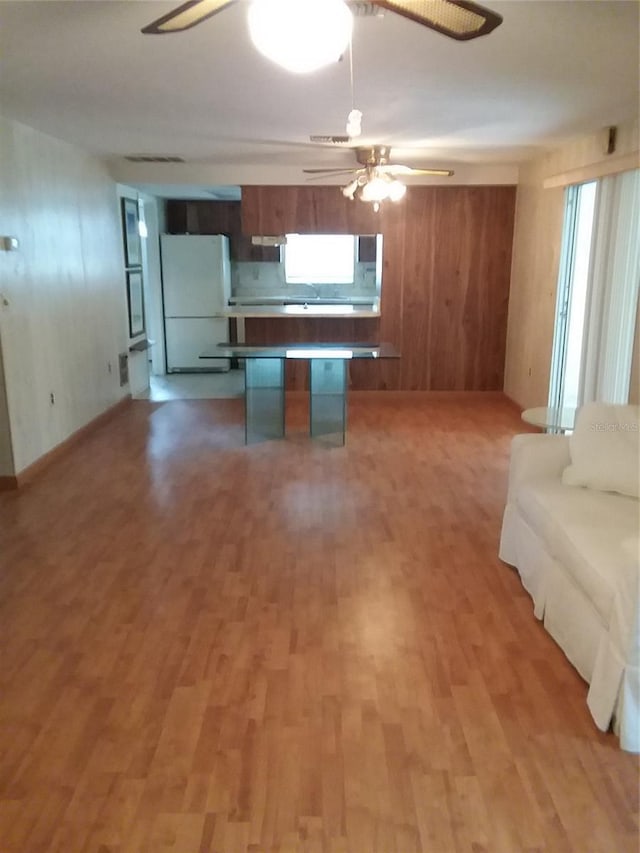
(594, 535)
(604, 449)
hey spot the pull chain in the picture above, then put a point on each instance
(354, 119)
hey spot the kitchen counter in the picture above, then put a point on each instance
(307, 351)
(310, 309)
(302, 299)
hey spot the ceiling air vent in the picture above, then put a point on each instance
(152, 158)
(331, 139)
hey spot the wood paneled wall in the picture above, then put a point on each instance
(305, 210)
(446, 271)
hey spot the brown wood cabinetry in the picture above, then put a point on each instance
(217, 217)
(446, 275)
(367, 249)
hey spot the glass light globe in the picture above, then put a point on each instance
(350, 190)
(300, 35)
(354, 123)
(376, 189)
(396, 190)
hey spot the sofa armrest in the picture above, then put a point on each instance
(537, 457)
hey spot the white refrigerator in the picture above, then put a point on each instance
(196, 285)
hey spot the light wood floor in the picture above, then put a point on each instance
(287, 647)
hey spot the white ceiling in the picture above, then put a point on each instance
(82, 71)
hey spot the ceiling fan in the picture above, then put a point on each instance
(376, 178)
(458, 19)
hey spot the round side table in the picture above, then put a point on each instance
(550, 419)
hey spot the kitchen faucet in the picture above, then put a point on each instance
(316, 292)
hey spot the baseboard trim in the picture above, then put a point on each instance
(525, 427)
(402, 394)
(31, 472)
(8, 483)
(513, 403)
(433, 396)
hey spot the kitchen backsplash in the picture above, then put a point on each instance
(253, 279)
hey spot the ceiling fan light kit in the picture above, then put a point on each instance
(376, 180)
(349, 191)
(378, 187)
(300, 35)
(397, 190)
(354, 124)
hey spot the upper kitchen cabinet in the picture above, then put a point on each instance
(307, 210)
(216, 217)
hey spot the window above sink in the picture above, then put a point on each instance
(343, 268)
(314, 259)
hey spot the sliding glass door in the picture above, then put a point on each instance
(597, 292)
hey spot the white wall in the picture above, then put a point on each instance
(66, 319)
(536, 258)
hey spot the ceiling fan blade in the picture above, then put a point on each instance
(313, 178)
(458, 19)
(437, 173)
(329, 171)
(397, 169)
(186, 16)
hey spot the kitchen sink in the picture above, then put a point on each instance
(318, 301)
(305, 309)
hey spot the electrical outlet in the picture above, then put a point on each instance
(52, 398)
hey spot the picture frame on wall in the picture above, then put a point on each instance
(131, 233)
(135, 302)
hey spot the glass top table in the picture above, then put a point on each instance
(550, 418)
(264, 383)
(303, 350)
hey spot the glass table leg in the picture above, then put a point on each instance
(328, 398)
(264, 399)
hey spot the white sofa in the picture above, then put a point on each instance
(571, 528)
